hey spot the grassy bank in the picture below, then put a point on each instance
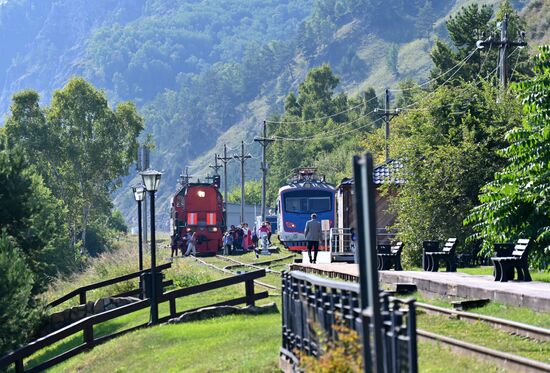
(241, 343)
(228, 344)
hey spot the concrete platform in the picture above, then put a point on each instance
(534, 295)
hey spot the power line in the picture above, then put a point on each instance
(325, 117)
(325, 133)
(437, 77)
(278, 138)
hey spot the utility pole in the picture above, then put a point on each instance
(242, 158)
(224, 160)
(503, 44)
(387, 115)
(264, 142)
(215, 166)
(184, 178)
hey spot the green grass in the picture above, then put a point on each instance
(228, 344)
(485, 335)
(188, 271)
(243, 344)
(495, 309)
(438, 358)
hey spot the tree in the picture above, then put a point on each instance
(33, 218)
(84, 146)
(18, 311)
(252, 193)
(449, 149)
(516, 203)
(470, 24)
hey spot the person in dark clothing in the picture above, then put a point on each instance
(312, 235)
(174, 244)
(239, 234)
(268, 224)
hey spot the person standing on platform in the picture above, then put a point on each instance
(312, 234)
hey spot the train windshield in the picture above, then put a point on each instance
(308, 201)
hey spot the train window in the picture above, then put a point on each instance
(307, 202)
(319, 204)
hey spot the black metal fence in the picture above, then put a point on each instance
(312, 306)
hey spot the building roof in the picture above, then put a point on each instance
(388, 172)
(385, 173)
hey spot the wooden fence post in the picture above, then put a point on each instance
(83, 297)
(89, 334)
(172, 307)
(249, 289)
(19, 366)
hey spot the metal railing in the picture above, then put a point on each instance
(340, 241)
(313, 305)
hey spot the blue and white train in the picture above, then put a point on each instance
(296, 201)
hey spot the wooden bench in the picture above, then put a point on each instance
(507, 263)
(390, 258)
(448, 255)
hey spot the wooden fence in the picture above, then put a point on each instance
(81, 291)
(86, 325)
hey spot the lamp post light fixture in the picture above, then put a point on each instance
(139, 196)
(151, 180)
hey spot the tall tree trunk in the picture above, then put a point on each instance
(85, 213)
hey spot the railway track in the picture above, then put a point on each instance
(506, 360)
(257, 265)
(524, 330)
(259, 283)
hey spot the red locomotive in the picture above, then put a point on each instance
(198, 207)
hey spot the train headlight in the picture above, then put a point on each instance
(212, 229)
(201, 193)
(290, 224)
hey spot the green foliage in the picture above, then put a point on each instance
(252, 193)
(319, 128)
(18, 312)
(449, 149)
(80, 146)
(470, 24)
(516, 203)
(34, 218)
(343, 354)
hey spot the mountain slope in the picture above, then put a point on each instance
(205, 73)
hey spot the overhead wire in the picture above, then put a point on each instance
(324, 135)
(458, 64)
(463, 62)
(515, 63)
(325, 117)
(335, 129)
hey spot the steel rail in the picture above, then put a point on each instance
(514, 327)
(504, 359)
(236, 263)
(233, 273)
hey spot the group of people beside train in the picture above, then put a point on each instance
(185, 241)
(242, 238)
(237, 239)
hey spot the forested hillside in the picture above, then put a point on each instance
(207, 73)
